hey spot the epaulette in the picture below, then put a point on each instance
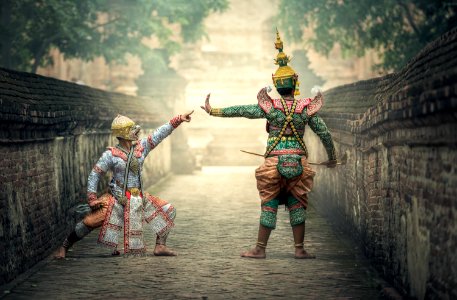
(117, 153)
(315, 104)
(265, 102)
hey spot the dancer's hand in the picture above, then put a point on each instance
(96, 204)
(207, 106)
(186, 117)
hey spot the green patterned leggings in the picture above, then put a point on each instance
(297, 212)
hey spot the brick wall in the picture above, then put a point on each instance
(51, 134)
(398, 191)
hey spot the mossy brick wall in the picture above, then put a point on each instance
(398, 191)
(51, 134)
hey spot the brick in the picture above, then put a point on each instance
(419, 136)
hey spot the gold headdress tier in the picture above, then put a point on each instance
(122, 127)
(285, 76)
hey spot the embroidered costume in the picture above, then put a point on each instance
(126, 210)
(285, 176)
(285, 168)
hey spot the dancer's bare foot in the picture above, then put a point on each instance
(300, 253)
(60, 253)
(256, 252)
(162, 250)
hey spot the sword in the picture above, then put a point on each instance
(341, 161)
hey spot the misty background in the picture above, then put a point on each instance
(183, 50)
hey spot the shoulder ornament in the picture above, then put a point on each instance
(315, 104)
(138, 151)
(301, 104)
(118, 153)
(265, 102)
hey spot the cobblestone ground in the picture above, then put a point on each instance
(218, 211)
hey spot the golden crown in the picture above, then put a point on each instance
(285, 76)
(121, 127)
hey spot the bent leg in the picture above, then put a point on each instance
(160, 216)
(80, 231)
(90, 222)
(161, 248)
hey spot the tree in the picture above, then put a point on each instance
(396, 29)
(86, 29)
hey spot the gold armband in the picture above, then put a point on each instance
(217, 112)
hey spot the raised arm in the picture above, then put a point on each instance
(102, 166)
(151, 141)
(316, 123)
(251, 111)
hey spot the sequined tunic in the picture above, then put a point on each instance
(129, 214)
(286, 167)
(115, 160)
(273, 111)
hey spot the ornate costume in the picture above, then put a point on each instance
(285, 176)
(126, 208)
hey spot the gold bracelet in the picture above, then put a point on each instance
(217, 112)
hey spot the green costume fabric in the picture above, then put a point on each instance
(289, 150)
(297, 212)
(276, 118)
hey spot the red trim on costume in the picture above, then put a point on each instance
(296, 206)
(315, 105)
(301, 104)
(289, 164)
(98, 170)
(159, 211)
(168, 220)
(127, 226)
(264, 100)
(106, 224)
(151, 143)
(128, 194)
(176, 121)
(287, 151)
(138, 151)
(118, 153)
(270, 209)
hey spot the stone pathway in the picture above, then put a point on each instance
(217, 218)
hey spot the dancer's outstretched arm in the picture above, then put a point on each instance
(251, 111)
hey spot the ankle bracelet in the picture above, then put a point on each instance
(299, 245)
(261, 245)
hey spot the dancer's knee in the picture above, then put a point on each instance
(268, 215)
(297, 211)
(82, 229)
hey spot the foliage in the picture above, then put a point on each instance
(89, 28)
(396, 29)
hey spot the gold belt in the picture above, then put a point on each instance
(284, 138)
(134, 191)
